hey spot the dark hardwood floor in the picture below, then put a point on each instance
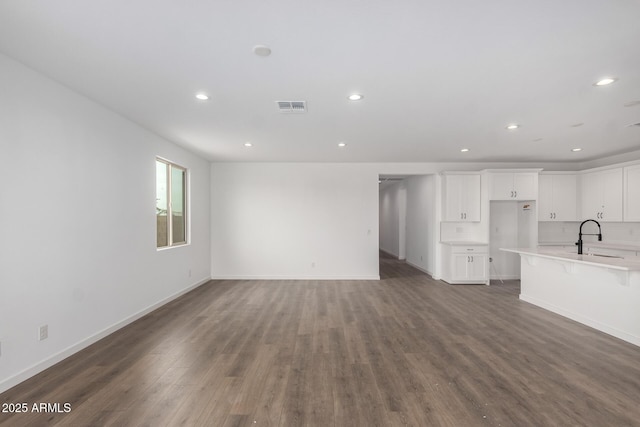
(405, 350)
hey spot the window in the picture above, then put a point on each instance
(171, 204)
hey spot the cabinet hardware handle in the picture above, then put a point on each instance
(471, 259)
(515, 194)
(461, 215)
(551, 216)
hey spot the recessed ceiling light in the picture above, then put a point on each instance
(202, 96)
(512, 126)
(262, 50)
(575, 150)
(355, 97)
(248, 144)
(605, 81)
(464, 150)
(342, 144)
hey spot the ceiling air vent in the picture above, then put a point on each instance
(292, 106)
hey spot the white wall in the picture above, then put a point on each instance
(294, 221)
(77, 222)
(422, 235)
(393, 213)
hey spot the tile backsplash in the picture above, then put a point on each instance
(612, 232)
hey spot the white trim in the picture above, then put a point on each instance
(241, 277)
(505, 277)
(420, 268)
(602, 327)
(392, 255)
(75, 348)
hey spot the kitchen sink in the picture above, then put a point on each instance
(605, 256)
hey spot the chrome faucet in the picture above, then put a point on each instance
(579, 242)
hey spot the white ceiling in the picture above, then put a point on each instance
(436, 75)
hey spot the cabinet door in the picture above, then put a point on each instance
(459, 267)
(525, 186)
(611, 195)
(462, 198)
(477, 267)
(602, 195)
(470, 202)
(501, 186)
(545, 198)
(632, 193)
(453, 185)
(564, 197)
(591, 205)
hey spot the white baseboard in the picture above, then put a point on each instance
(623, 335)
(231, 277)
(421, 269)
(69, 351)
(506, 277)
(391, 254)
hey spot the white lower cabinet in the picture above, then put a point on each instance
(465, 263)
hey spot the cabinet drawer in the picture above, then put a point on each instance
(472, 249)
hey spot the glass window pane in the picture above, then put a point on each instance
(178, 224)
(162, 227)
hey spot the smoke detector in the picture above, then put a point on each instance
(292, 106)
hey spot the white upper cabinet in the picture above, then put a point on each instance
(513, 186)
(462, 197)
(602, 195)
(632, 193)
(557, 197)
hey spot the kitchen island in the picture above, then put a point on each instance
(602, 292)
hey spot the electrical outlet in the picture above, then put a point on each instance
(43, 332)
(313, 265)
(490, 259)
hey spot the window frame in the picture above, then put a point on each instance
(186, 215)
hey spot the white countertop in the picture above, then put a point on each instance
(594, 260)
(596, 244)
(463, 243)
